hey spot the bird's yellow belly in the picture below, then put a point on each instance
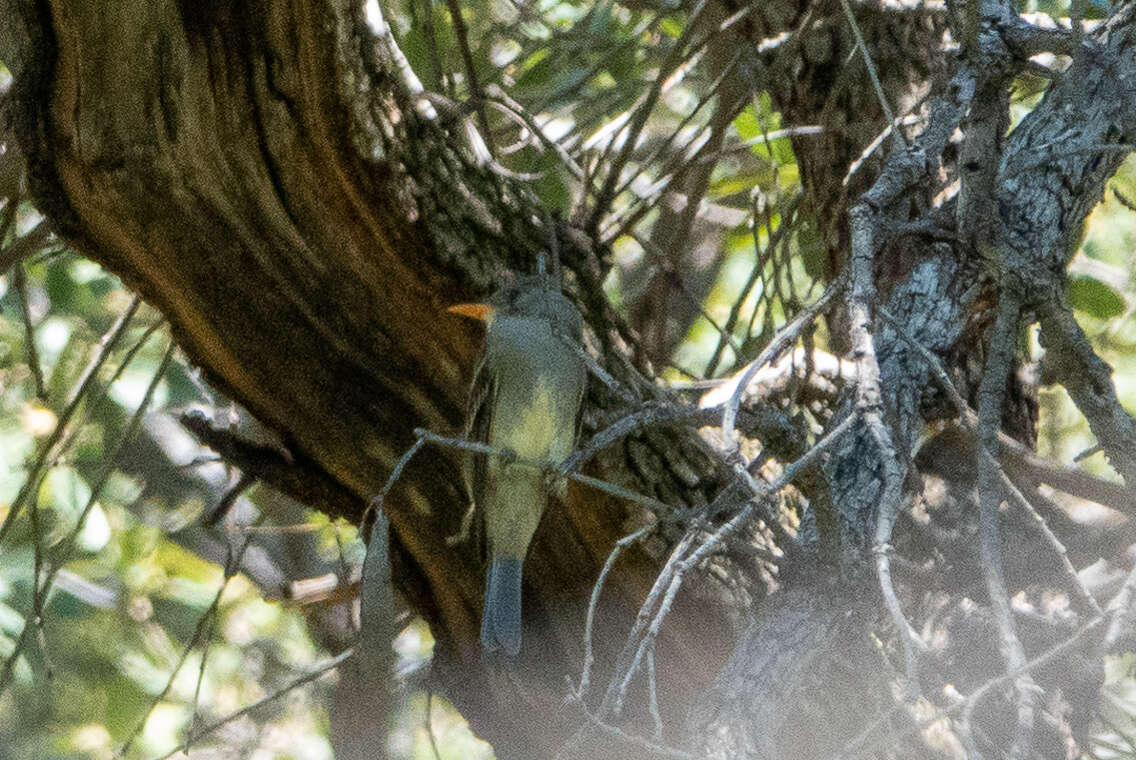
(535, 431)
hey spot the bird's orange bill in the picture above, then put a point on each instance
(482, 311)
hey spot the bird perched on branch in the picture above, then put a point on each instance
(525, 400)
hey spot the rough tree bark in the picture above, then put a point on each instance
(259, 174)
(240, 167)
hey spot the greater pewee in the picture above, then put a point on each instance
(526, 401)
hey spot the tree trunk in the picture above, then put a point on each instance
(239, 165)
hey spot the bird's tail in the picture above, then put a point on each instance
(501, 619)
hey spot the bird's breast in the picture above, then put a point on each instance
(536, 430)
(537, 386)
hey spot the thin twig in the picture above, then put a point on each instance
(1080, 592)
(396, 473)
(307, 678)
(228, 499)
(777, 346)
(606, 193)
(102, 351)
(381, 29)
(211, 629)
(870, 149)
(766, 138)
(652, 747)
(643, 618)
(502, 99)
(201, 631)
(440, 80)
(857, 747)
(35, 617)
(675, 278)
(654, 414)
(20, 279)
(872, 74)
(25, 245)
(426, 436)
(100, 397)
(1123, 609)
(594, 367)
(622, 223)
(101, 392)
(969, 420)
(581, 692)
(67, 546)
(653, 694)
(773, 237)
(658, 602)
(475, 91)
(681, 569)
(706, 96)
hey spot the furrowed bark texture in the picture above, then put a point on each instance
(1032, 209)
(235, 164)
(1052, 175)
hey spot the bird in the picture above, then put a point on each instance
(525, 400)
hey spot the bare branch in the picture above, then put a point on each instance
(307, 678)
(776, 347)
(990, 394)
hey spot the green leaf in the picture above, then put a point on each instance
(672, 27)
(65, 493)
(747, 124)
(1095, 298)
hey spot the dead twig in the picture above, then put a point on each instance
(777, 346)
(79, 391)
(307, 678)
(990, 393)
